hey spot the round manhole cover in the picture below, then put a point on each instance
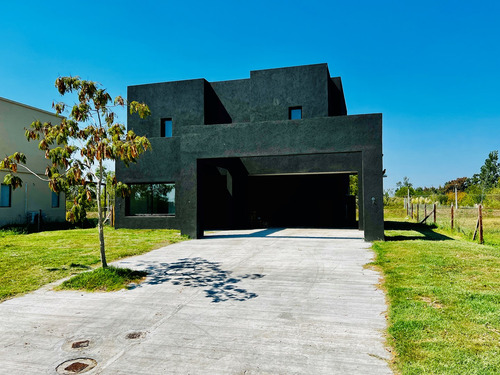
(76, 366)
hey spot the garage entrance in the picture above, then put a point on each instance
(232, 198)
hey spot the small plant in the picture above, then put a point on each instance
(103, 279)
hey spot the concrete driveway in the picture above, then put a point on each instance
(275, 301)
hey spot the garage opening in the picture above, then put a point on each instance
(231, 198)
(312, 200)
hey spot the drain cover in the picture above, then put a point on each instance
(80, 344)
(76, 366)
(135, 335)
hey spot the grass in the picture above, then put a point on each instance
(465, 221)
(29, 261)
(103, 279)
(444, 301)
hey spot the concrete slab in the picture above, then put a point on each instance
(276, 301)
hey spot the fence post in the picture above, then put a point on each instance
(481, 239)
(434, 213)
(418, 208)
(411, 211)
(425, 210)
(452, 216)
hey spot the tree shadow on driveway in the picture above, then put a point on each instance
(197, 272)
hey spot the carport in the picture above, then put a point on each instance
(279, 191)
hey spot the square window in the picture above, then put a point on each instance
(5, 198)
(295, 113)
(55, 200)
(166, 127)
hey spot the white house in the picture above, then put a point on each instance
(20, 206)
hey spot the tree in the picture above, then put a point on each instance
(403, 188)
(77, 147)
(461, 183)
(490, 172)
(353, 184)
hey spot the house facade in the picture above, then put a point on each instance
(22, 205)
(272, 150)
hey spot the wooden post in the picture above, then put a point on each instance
(434, 209)
(481, 239)
(476, 229)
(452, 216)
(418, 205)
(425, 211)
(411, 211)
(113, 216)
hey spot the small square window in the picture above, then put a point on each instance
(55, 200)
(295, 113)
(5, 199)
(166, 127)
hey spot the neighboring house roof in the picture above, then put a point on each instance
(29, 107)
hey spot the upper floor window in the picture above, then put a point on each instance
(295, 113)
(166, 127)
(55, 200)
(5, 199)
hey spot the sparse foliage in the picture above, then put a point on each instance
(77, 147)
(490, 172)
(403, 187)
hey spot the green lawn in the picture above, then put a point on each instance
(444, 301)
(28, 261)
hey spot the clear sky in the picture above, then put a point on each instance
(431, 67)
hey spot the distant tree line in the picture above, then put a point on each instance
(482, 187)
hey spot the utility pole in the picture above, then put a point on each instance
(408, 209)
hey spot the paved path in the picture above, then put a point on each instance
(290, 301)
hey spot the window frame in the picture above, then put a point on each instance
(54, 194)
(163, 132)
(150, 199)
(292, 109)
(9, 197)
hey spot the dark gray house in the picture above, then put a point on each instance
(274, 150)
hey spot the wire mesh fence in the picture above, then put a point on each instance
(464, 219)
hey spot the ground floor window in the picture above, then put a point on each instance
(5, 195)
(151, 199)
(55, 200)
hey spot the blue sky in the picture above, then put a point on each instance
(431, 67)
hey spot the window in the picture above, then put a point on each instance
(294, 113)
(5, 195)
(151, 199)
(166, 127)
(55, 200)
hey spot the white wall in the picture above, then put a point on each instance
(35, 194)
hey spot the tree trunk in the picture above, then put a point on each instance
(100, 225)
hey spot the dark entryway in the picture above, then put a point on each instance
(230, 198)
(316, 201)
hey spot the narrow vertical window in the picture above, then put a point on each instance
(166, 127)
(55, 200)
(294, 113)
(5, 199)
